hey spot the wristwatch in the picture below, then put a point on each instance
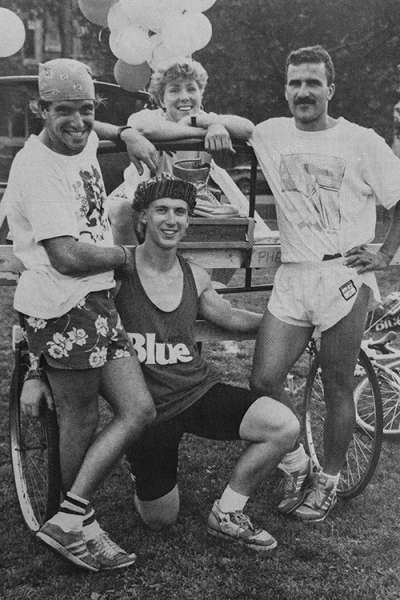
(193, 121)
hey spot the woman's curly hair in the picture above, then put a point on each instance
(184, 68)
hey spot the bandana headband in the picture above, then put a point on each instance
(65, 79)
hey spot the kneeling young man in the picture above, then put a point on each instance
(170, 293)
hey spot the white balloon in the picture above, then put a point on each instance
(117, 17)
(149, 14)
(184, 34)
(161, 54)
(131, 45)
(196, 5)
(12, 33)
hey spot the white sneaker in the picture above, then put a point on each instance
(236, 526)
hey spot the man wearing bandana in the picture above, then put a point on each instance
(55, 209)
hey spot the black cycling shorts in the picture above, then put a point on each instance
(216, 416)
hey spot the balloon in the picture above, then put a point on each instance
(162, 54)
(118, 18)
(12, 33)
(131, 77)
(149, 14)
(184, 34)
(132, 45)
(96, 10)
(196, 5)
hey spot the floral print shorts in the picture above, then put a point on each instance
(86, 337)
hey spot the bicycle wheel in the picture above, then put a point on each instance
(364, 449)
(34, 455)
(389, 385)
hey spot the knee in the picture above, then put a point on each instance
(269, 420)
(140, 418)
(160, 513)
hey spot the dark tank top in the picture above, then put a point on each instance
(175, 373)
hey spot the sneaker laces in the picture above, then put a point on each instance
(243, 521)
(108, 546)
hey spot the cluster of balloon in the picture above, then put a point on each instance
(12, 33)
(146, 33)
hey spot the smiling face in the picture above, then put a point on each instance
(308, 94)
(67, 125)
(182, 97)
(166, 221)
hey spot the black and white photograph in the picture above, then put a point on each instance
(199, 299)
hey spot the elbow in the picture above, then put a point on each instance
(248, 131)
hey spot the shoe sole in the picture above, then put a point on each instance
(256, 547)
(127, 564)
(60, 549)
(289, 512)
(318, 519)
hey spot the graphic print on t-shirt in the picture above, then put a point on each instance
(151, 352)
(92, 196)
(312, 184)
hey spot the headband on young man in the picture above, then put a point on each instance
(164, 186)
(65, 79)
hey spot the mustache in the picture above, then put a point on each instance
(304, 101)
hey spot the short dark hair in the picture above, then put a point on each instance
(312, 54)
(164, 186)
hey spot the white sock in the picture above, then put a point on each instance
(331, 478)
(231, 501)
(91, 527)
(297, 460)
(67, 522)
(71, 512)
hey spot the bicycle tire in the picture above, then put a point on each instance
(34, 454)
(364, 449)
(389, 385)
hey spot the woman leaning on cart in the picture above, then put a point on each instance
(177, 88)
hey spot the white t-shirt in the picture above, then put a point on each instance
(149, 119)
(325, 184)
(51, 195)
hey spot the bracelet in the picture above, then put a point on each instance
(34, 373)
(125, 251)
(121, 129)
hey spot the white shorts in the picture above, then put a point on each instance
(318, 294)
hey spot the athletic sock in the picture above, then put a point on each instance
(332, 478)
(71, 513)
(91, 527)
(297, 460)
(232, 501)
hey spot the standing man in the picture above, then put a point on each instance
(325, 175)
(159, 303)
(54, 203)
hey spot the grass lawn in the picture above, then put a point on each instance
(354, 555)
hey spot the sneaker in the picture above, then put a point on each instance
(108, 554)
(70, 544)
(295, 488)
(237, 526)
(319, 500)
